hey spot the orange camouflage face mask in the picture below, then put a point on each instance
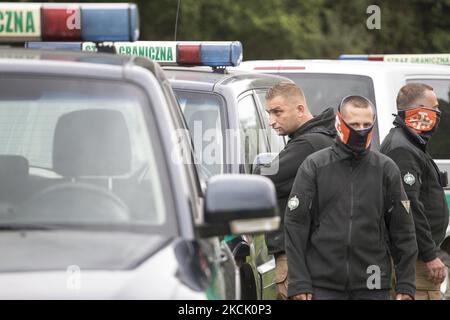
(357, 140)
(421, 120)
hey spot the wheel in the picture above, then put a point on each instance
(248, 285)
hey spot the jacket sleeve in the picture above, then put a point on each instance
(297, 227)
(287, 164)
(400, 225)
(411, 174)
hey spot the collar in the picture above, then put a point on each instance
(413, 136)
(345, 152)
(301, 130)
(323, 122)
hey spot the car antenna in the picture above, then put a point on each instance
(176, 22)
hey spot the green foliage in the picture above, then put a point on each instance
(271, 29)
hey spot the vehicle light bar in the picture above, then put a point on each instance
(211, 53)
(95, 22)
(440, 58)
(366, 57)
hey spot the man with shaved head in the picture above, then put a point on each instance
(346, 202)
(418, 118)
(290, 116)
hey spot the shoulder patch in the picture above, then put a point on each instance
(406, 205)
(409, 179)
(293, 203)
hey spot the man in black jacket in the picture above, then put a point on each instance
(289, 115)
(417, 119)
(346, 202)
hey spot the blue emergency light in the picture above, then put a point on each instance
(112, 22)
(98, 22)
(210, 54)
(365, 57)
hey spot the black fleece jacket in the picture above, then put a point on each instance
(348, 214)
(316, 134)
(421, 180)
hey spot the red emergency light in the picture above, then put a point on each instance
(188, 54)
(61, 24)
(375, 57)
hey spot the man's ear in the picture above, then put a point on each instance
(300, 110)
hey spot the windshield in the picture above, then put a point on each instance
(203, 115)
(77, 152)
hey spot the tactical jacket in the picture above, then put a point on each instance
(342, 209)
(423, 182)
(316, 134)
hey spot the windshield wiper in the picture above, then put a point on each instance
(32, 226)
(26, 226)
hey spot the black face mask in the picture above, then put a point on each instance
(410, 117)
(426, 136)
(357, 140)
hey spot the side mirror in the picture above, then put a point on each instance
(262, 164)
(240, 204)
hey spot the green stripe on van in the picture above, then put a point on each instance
(447, 194)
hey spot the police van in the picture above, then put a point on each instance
(99, 197)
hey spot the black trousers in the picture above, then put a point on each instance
(327, 294)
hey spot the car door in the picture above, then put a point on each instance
(258, 264)
(253, 139)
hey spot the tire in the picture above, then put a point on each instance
(248, 285)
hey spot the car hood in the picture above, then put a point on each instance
(81, 265)
(58, 249)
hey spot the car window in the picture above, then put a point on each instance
(77, 151)
(323, 91)
(327, 90)
(439, 145)
(276, 142)
(203, 115)
(252, 136)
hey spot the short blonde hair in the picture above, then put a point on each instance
(288, 90)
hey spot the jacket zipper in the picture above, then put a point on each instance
(350, 227)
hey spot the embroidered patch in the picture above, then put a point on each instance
(407, 205)
(409, 179)
(293, 203)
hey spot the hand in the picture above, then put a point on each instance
(436, 271)
(403, 296)
(302, 296)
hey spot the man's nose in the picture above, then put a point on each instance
(271, 120)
